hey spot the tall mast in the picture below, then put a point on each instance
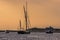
(26, 17)
(25, 13)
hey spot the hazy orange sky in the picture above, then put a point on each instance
(42, 13)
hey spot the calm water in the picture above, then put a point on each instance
(32, 36)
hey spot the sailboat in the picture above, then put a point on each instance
(26, 22)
